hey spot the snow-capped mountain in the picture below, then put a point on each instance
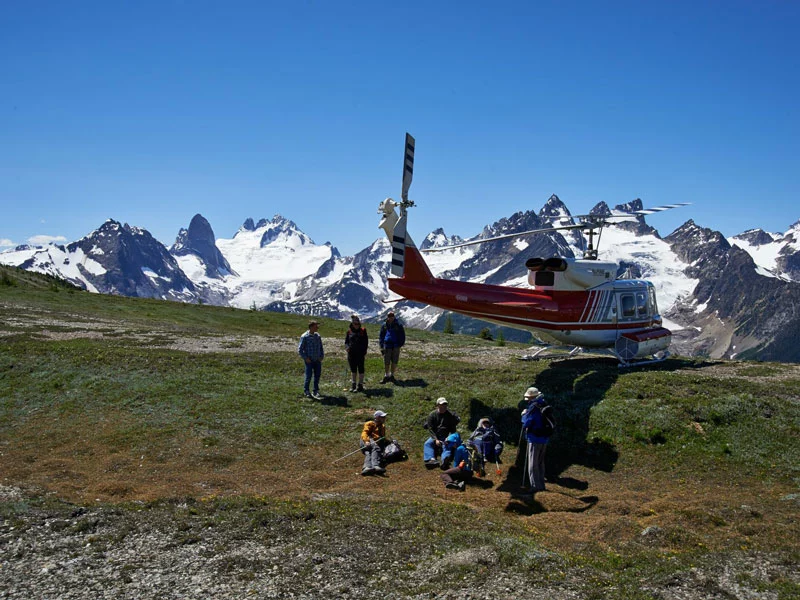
(777, 255)
(722, 298)
(114, 259)
(735, 309)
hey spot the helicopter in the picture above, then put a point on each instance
(579, 303)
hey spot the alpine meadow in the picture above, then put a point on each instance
(156, 449)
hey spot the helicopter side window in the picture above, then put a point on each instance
(628, 306)
(641, 304)
(545, 278)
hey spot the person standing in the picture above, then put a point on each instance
(356, 342)
(373, 441)
(538, 424)
(311, 351)
(457, 476)
(392, 338)
(440, 423)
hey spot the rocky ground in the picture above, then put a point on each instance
(176, 550)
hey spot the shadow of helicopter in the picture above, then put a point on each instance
(572, 387)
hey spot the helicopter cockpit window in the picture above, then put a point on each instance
(653, 303)
(628, 306)
(641, 304)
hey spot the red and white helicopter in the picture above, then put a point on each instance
(580, 303)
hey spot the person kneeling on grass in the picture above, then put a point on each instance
(373, 440)
(457, 476)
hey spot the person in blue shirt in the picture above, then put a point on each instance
(538, 426)
(311, 351)
(457, 476)
(391, 339)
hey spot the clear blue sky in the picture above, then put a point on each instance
(150, 112)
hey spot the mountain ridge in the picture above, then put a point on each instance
(273, 265)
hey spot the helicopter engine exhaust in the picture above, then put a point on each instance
(554, 264)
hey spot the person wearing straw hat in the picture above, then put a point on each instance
(538, 425)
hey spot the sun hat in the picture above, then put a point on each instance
(532, 392)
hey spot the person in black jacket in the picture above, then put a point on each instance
(356, 343)
(440, 423)
(392, 338)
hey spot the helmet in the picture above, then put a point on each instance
(453, 438)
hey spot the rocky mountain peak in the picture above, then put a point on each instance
(199, 240)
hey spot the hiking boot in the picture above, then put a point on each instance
(353, 387)
(367, 471)
(316, 396)
(360, 387)
(431, 462)
(461, 485)
(392, 379)
(386, 379)
(379, 470)
(453, 485)
(306, 394)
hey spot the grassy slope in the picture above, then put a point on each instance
(109, 399)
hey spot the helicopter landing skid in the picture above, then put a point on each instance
(545, 352)
(567, 352)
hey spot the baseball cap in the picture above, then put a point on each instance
(442, 400)
(379, 413)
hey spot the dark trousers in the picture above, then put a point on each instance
(313, 368)
(455, 474)
(356, 362)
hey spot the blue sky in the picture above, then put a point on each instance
(150, 112)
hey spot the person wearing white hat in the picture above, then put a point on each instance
(373, 441)
(440, 423)
(538, 424)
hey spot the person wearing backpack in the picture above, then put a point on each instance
(456, 477)
(391, 338)
(538, 424)
(373, 441)
(486, 438)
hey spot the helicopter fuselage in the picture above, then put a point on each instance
(594, 317)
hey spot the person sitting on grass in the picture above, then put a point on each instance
(440, 423)
(373, 440)
(487, 440)
(457, 476)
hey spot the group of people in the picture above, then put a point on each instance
(446, 450)
(356, 342)
(444, 447)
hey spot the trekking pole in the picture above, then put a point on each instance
(353, 452)
(525, 470)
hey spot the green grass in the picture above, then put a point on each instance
(632, 437)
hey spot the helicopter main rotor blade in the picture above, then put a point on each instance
(628, 215)
(505, 237)
(408, 166)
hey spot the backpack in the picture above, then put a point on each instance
(548, 425)
(394, 453)
(475, 455)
